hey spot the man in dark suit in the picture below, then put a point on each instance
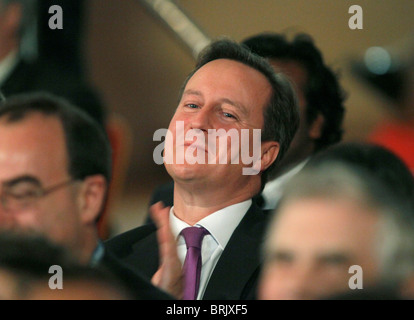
(321, 105)
(234, 94)
(20, 74)
(55, 167)
(342, 228)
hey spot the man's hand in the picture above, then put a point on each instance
(169, 276)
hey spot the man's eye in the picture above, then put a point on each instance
(23, 190)
(191, 106)
(280, 258)
(335, 260)
(28, 194)
(229, 115)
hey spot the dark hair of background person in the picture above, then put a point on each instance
(88, 146)
(322, 92)
(377, 160)
(28, 258)
(281, 115)
(35, 250)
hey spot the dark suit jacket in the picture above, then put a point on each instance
(236, 273)
(138, 285)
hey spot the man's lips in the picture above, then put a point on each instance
(194, 145)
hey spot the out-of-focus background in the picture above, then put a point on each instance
(138, 65)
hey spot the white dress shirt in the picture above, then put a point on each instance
(7, 65)
(272, 191)
(221, 225)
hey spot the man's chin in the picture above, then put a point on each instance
(185, 171)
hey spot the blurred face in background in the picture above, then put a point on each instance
(311, 246)
(303, 143)
(33, 159)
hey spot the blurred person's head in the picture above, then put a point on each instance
(233, 89)
(378, 160)
(330, 218)
(24, 258)
(29, 269)
(81, 283)
(319, 93)
(55, 167)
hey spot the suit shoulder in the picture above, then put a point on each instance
(122, 243)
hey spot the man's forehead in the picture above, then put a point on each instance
(326, 226)
(36, 134)
(231, 75)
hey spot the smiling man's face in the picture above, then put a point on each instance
(313, 243)
(222, 95)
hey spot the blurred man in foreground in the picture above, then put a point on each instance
(338, 228)
(55, 166)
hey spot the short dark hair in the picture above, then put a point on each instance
(281, 116)
(377, 161)
(37, 252)
(323, 93)
(88, 146)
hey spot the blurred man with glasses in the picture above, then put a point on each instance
(55, 167)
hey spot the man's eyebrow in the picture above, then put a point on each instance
(334, 256)
(236, 104)
(279, 254)
(20, 179)
(192, 92)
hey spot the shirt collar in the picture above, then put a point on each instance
(273, 189)
(220, 224)
(97, 254)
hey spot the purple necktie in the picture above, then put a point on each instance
(193, 237)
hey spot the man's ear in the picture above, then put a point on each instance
(92, 197)
(315, 129)
(270, 150)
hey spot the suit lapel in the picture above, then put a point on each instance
(137, 248)
(148, 258)
(236, 272)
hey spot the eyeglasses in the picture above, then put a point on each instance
(23, 192)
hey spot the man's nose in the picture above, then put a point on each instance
(202, 120)
(303, 284)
